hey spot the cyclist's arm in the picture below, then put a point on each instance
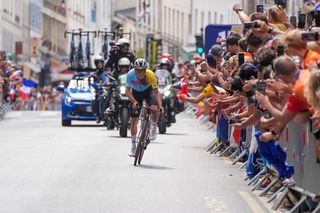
(158, 97)
(130, 96)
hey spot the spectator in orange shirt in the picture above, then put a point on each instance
(297, 47)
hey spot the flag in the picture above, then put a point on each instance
(184, 89)
(25, 90)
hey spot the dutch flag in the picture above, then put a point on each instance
(25, 90)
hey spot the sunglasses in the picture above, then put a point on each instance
(140, 71)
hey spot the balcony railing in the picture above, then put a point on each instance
(58, 8)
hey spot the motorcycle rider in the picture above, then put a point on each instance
(164, 78)
(123, 52)
(124, 65)
(100, 77)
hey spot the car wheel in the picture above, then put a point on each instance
(66, 122)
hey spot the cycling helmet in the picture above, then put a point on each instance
(167, 55)
(123, 41)
(124, 62)
(98, 59)
(140, 64)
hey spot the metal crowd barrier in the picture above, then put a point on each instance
(299, 143)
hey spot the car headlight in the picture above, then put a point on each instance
(68, 100)
(167, 93)
(122, 90)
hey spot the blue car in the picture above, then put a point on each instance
(77, 99)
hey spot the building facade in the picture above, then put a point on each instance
(177, 22)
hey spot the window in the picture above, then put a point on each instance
(190, 25)
(202, 19)
(209, 17)
(221, 19)
(165, 20)
(215, 18)
(169, 20)
(195, 21)
(173, 22)
(178, 26)
(182, 27)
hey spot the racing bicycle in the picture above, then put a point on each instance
(143, 136)
(73, 58)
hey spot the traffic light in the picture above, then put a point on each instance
(199, 44)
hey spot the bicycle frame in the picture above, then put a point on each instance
(80, 49)
(143, 136)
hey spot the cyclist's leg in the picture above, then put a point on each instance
(134, 121)
(151, 101)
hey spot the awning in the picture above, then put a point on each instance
(35, 68)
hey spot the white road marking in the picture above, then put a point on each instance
(49, 114)
(252, 203)
(16, 114)
(215, 205)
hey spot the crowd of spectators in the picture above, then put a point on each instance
(266, 78)
(11, 77)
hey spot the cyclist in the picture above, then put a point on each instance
(123, 52)
(142, 85)
(100, 77)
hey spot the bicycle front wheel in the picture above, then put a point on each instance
(137, 155)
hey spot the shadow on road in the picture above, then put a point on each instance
(154, 167)
(176, 134)
(84, 125)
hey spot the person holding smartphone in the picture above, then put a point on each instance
(298, 47)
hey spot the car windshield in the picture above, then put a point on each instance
(81, 84)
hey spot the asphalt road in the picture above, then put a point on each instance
(85, 168)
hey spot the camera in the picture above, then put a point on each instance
(251, 25)
(310, 36)
(114, 48)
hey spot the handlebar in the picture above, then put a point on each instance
(79, 33)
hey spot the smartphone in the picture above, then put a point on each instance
(310, 18)
(310, 36)
(280, 50)
(241, 58)
(302, 20)
(261, 87)
(293, 21)
(316, 16)
(282, 3)
(251, 25)
(233, 121)
(260, 8)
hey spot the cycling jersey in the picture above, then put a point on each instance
(141, 85)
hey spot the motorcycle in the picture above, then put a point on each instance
(124, 107)
(168, 102)
(118, 111)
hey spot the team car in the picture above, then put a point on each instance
(77, 99)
